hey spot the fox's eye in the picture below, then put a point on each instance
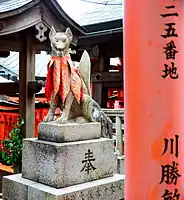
(56, 40)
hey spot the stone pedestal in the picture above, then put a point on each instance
(69, 132)
(17, 188)
(61, 164)
(72, 170)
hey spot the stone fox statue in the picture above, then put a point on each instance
(68, 87)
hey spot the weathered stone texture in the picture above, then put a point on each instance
(60, 164)
(69, 132)
(18, 188)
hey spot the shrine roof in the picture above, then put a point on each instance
(9, 8)
(102, 14)
(9, 5)
(101, 17)
(104, 26)
(11, 63)
(93, 12)
(87, 15)
(4, 80)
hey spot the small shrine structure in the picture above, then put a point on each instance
(24, 28)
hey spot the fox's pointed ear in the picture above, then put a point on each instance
(68, 32)
(52, 32)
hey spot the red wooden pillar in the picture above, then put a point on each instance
(154, 99)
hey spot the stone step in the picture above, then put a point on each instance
(17, 188)
(63, 164)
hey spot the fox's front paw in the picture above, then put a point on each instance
(61, 120)
(48, 118)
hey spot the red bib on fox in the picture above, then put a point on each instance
(61, 78)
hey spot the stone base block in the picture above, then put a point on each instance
(63, 164)
(69, 132)
(17, 188)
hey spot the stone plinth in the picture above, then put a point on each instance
(69, 132)
(17, 188)
(63, 164)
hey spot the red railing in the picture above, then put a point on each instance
(9, 117)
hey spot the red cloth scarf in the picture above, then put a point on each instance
(62, 78)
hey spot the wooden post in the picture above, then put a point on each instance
(98, 87)
(27, 73)
(100, 92)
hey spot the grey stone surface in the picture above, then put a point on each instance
(69, 132)
(111, 188)
(120, 165)
(16, 189)
(64, 164)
